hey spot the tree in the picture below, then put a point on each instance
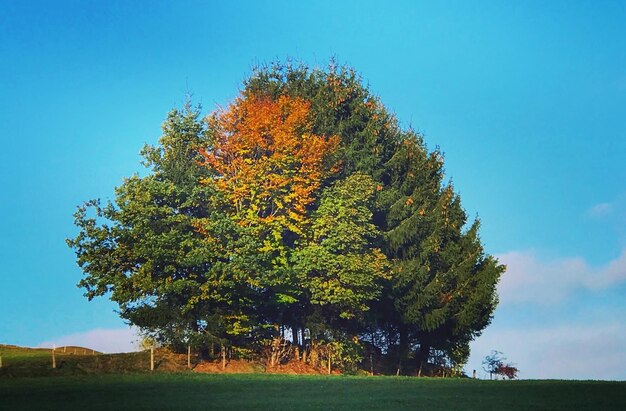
(302, 205)
(442, 289)
(492, 362)
(145, 250)
(337, 265)
(509, 371)
(266, 160)
(495, 364)
(268, 165)
(444, 286)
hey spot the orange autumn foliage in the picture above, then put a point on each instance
(267, 161)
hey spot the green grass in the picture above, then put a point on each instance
(37, 362)
(12, 352)
(112, 382)
(186, 391)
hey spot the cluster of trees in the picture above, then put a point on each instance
(495, 364)
(300, 219)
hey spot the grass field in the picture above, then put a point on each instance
(86, 381)
(186, 391)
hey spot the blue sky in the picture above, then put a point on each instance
(526, 99)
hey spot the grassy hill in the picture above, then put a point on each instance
(73, 360)
(85, 379)
(13, 352)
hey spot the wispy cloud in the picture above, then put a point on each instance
(103, 340)
(600, 210)
(616, 208)
(573, 351)
(531, 279)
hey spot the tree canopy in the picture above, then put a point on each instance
(300, 214)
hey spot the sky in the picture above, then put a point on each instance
(526, 99)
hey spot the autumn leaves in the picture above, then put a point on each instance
(266, 160)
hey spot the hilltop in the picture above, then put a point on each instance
(74, 360)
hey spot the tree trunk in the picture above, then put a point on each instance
(422, 356)
(403, 348)
(314, 357)
(151, 358)
(223, 356)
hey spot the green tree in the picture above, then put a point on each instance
(337, 266)
(303, 205)
(444, 285)
(442, 292)
(146, 251)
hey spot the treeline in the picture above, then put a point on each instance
(299, 221)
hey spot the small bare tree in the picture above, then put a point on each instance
(495, 364)
(276, 351)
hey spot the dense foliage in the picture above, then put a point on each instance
(299, 222)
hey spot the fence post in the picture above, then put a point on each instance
(189, 356)
(0, 360)
(151, 358)
(54, 360)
